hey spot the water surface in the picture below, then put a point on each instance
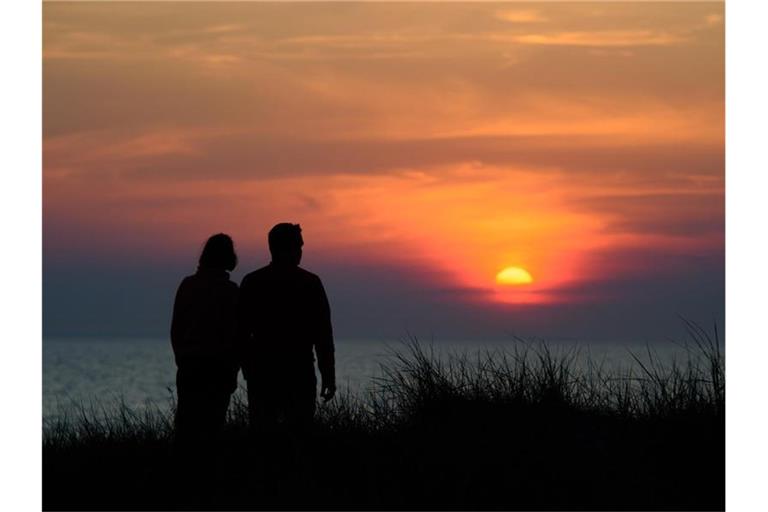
(142, 371)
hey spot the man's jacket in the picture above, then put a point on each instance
(284, 315)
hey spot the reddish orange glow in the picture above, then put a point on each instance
(532, 142)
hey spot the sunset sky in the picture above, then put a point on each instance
(463, 171)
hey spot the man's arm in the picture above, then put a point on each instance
(324, 348)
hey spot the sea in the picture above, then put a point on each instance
(141, 372)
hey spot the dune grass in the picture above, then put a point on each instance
(526, 428)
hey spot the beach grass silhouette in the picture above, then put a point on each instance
(521, 429)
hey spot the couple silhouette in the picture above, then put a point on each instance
(269, 327)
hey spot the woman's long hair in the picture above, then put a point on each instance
(218, 253)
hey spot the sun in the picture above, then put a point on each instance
(514, 276)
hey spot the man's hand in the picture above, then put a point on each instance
(327, 391)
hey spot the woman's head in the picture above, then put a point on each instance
(219, 253)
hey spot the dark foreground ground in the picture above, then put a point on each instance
(522, 430)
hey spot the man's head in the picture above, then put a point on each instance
(285, 243)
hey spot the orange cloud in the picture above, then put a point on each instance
(714, 19)
(598, 38)
(521, 15)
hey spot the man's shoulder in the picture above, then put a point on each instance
(256, 275)
(308, 276)
(269, 272)
(306, 273)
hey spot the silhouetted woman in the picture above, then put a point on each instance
(203, 338)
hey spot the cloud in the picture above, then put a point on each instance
(603, 38)
(521, 16)
(677, 210)
(225, 28)
(713, 19)
(172, 155)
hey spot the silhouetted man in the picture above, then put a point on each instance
(284, 315)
